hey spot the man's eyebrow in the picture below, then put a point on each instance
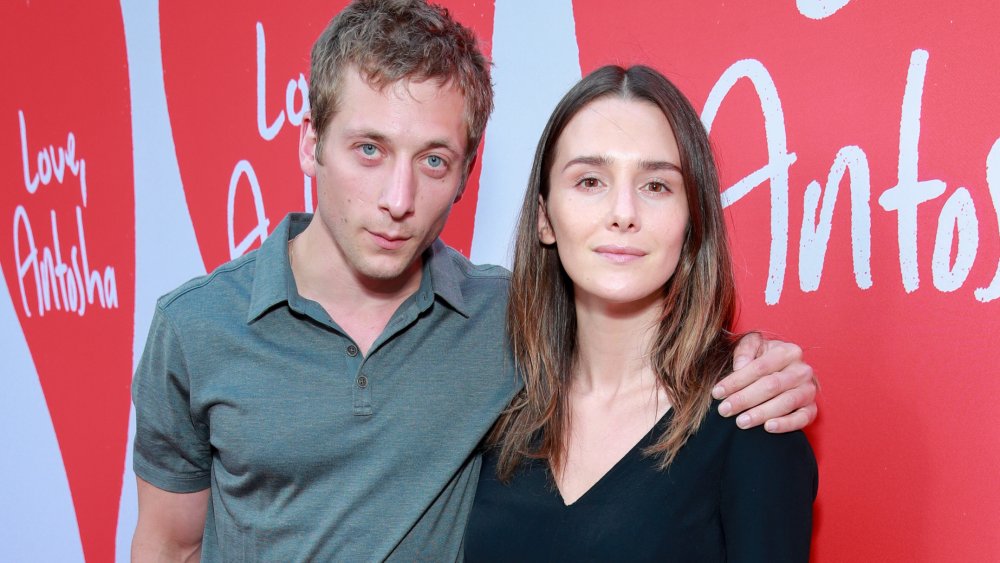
(384, 139)
(442, 144)
(368, 134)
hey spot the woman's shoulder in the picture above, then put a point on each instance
(768, 485)
(756, 447)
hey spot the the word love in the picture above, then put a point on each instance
(51, 162)
(61, 281)
(296, 107)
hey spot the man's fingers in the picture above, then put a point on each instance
(776, 389)
(748, 348)
(777, 356)
(739, 379)
(795, 421)
(777, 393)
(785, 401)
(762, 393)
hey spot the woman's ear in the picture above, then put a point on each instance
(545, 232)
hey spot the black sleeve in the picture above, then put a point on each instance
(769, 482)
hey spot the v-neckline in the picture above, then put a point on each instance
(614, 468)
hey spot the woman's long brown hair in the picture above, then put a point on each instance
(694, 340)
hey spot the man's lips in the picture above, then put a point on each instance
(619, 254)
(388, 241)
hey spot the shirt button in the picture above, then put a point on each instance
(352, 350)
(362, 381)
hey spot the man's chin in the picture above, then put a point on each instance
(390, 268)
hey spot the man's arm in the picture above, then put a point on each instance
(172, 450)
(772, 381)
(170, 525)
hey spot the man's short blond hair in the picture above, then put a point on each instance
(392, 40)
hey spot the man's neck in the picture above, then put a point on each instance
(362, 306)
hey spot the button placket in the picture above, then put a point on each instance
(361, 385)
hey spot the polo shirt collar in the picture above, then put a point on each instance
(445, 276)
(274, 283)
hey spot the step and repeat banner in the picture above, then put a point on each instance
(142, 144)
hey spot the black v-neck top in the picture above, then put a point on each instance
(730, 495)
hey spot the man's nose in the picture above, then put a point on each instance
(399, 194)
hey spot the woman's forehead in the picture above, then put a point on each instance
(615, 129)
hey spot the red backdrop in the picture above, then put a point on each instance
(68, 252)
(906, 436)
(857, 142)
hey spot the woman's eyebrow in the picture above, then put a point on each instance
(605, 161)
(591, 160)
(655, 165)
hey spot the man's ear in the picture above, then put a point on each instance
(545, 232)
(465, 176)
(308, 141)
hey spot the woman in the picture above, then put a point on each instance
(621, 311)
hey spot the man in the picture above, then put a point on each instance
(323, 396)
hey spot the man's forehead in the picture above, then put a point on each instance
(435, 107)
(419, 88)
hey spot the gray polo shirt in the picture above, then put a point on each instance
(311, 450)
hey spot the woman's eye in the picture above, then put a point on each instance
(589, 183)
(657, 187)
(435, 161)
(369, 149)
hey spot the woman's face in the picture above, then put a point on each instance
(616, 209)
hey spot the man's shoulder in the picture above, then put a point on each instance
(477, 288)
(229, 282)
(469, 271)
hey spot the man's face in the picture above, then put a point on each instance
(392, 165)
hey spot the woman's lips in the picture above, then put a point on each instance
(619, 254)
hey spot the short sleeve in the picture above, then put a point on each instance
(769, 483)
(171, 451)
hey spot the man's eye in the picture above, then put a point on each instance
(435, 161)
(369, 149)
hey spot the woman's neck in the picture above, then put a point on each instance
(613, 344)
